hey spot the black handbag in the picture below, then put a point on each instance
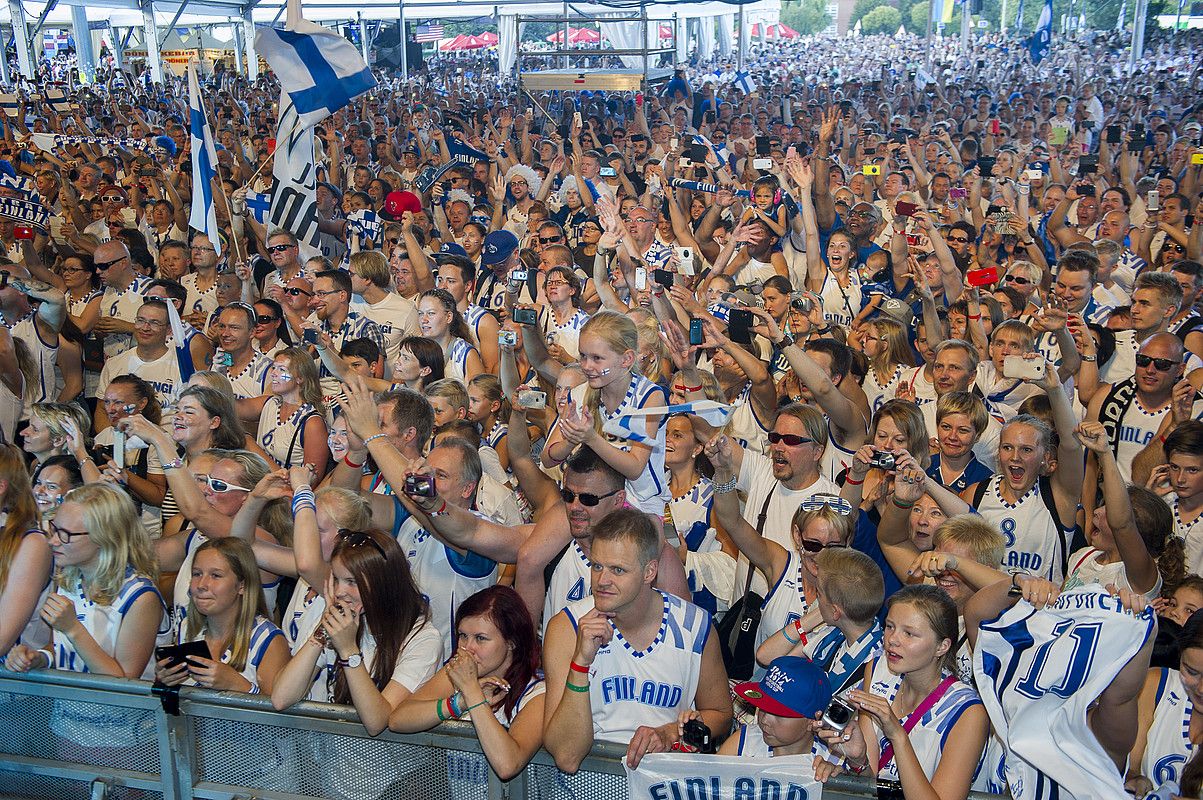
(737, 630)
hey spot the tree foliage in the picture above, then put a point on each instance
(807, 17)
(883, 19)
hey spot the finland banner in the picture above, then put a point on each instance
(25, 211)
(688, 776)
(294, 178)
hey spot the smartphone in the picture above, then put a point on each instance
(673, 144)
(1115, 134)
(518, 275)
(985, 165)
(762, 145)
(663, 277)
(982, 277)
(696, 334)
(1020, 367)
(507, 338)
(1136, 143)
(271, 146)
(994, 126)
(178, 653)
(739, 326)
(532, 398)
(1034, 175)
(608, 172)
(640, 279)
(958, 193)
(685, 260)
(309, 336)
(1088, 165)
(22, 232)
(147, 172)
(762, 164)
(697, 154)
(905, 209)
(526, 316)
(1153, 200)
(576, 120)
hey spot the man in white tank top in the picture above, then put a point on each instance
(623, 663)
(151, 359)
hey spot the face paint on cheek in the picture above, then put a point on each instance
(604, 373)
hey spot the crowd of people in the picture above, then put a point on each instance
(855, 419)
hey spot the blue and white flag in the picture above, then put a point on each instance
(743, 82)
(204, 165)
(1040, 41)
(663, 775)
(365, 226)
(711, 412)
(716, 155)
(258, 205)
(1018, 26)
(319, 69)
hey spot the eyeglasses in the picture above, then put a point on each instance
(359, 539)
(860, 213)
(1162, 364)
(554, 284)
(811, 546)
(264, 319)
(113, 198)
(70, 270)
(219, 486)
(549, 239)
(104, 265)
(1017, 279)
(833, 501)
(280, 248)
(63, 534)
(196, 249)
(295, 292)
(150, 323)
(328, 292)
(789, 439)
(589, 500)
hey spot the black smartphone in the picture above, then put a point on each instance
(1088, 165)
(985, 165)
(1189, 221)
(697, 154)
(696, 334)
(309, 336)
(1115, 134)
(663, 277)
(762, 146)
(1137, 143)
(739, 326)
(178, 653)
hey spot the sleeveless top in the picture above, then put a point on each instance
(457, 359)
(263, 633)
(570, 581)
(1168, 746)
(104, 622)
(1035, 543)
(283, 439)
(785, 603)
(745, 427)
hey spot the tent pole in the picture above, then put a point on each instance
(85, 58)
(152, 41)
(565, 43)
(739, 42)
(401, 38)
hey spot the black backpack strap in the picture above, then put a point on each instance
(980, 491)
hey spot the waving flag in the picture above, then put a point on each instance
(1041, 39)
(259, 205)
(204, 165)
(318, 69)
(743, 81)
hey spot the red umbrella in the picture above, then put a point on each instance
(473, 42)
(666, 31)
(576, 36)
(454, 44)
(778, 31)
(488, 38)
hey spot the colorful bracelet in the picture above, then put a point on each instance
(453, 705)
(798, 628)
(903, 506)
(573, 687)
(575, 667)
(347, 460)
(438, 709)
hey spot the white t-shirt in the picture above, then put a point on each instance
(397, 318)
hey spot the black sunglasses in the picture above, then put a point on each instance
(279, 248)
(587, 499)
(812, 546)
(295, 292)
(789, 439)
(263, 319)
(359, 539)
(549, 239)
(1162, 364)
(103, 265)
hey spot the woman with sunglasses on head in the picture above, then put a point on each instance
(25, 557)
(47, 433)
(290, 419)
(440, 320)
(493, 681)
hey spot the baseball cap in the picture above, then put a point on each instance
(794, 687)
(498, 247)
(452, 249)
(397, 203)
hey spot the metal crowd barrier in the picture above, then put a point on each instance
(66, 735)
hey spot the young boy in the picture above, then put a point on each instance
(790, 700)
(449, 399)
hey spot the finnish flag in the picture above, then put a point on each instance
(1040, 41)
(319, 69)
(204, 165)
(714, 413)
(743, 82)
(259, 204)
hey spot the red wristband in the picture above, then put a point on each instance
(1162, 438)
(575, 667)
(848, 480)
(347, 460)
(798, 628)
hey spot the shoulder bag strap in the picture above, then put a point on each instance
(760, 519)
(912, 719)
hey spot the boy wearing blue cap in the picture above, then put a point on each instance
(790, 700)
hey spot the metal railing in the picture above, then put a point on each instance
(67, 735)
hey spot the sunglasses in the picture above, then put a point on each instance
(1162, 364)
(833, 501)
(1016, 279)
(812, 546)
(549, 239)
(279, 248)
(263, 319)
(104, 265)
(789, 439)
(218, 486)
(359, 539)
(295, 292)
(589, 500)
(958, 240)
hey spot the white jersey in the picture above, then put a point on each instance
(649, 492)
(263, 633)
(44, 353)
(566, 334)
(204, 301)
(183, 578)
(929, 736)
(251, 380)
(629, 688)
(881, 392)
(836, 457)
(302, 615)
(103, 622)
(1039, 672)
(752, 744)
(122, 304)
(445, 577)
(162, 373)
(746, 427)
(570, 581)
(396, 317)
(457, 359)
(283, 439)
(841, 304)
(1085, 569)
(1137, 427)
(1191, 534)
(785, 603)
(914, 379)
(1036, 544)
(1168, 746)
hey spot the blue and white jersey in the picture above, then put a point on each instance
(974, 472)
(658, 254)
(457, 359)
(355, 326)
(929, 736)
(473, 315)
(785, 603)
(496, 434)
(691, 516)
(752, 744)
(649, 492)
(263, 633)
(303, 614)
(844, 661)
(880, 392)
(283, 438)
(745, 427)
(630, 688)
(1168, 746)
(566, 334)
(1137, 427)
(251, 380)
(445, 577)
(1039, 672)
(123, 304)
(103, 622)
(183, 578)
(841, 304)
(1035, 544)
(836, 457)
(204, 301)
(44, 354)
(570, 582)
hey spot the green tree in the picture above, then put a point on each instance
(807, 17)
(883, 19)
(917, 23)
(862, 8)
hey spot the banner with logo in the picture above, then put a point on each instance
(24, 211)
(678, 776)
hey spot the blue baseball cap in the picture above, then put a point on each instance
(498, 247)
(453, 249)
(794, 687)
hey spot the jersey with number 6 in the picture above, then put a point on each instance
(1038, 673)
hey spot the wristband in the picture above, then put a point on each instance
(849, 482)
(176, 463)
(347, 460)
(725, 488)
(575, 667)
(453, 705)
(903, 506)
(785, 633)
(440, 513)
(438, 709)
(1089, 359)
(474, 705)
(574, 688)
(1161, 439)
(374, 437)
(975, 316)
(798, 628)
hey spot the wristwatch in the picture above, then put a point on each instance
(351, 662)
(604, 251)
(786, 341)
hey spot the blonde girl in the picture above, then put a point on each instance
(290, 418)
(487, 407)
(885, 344)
